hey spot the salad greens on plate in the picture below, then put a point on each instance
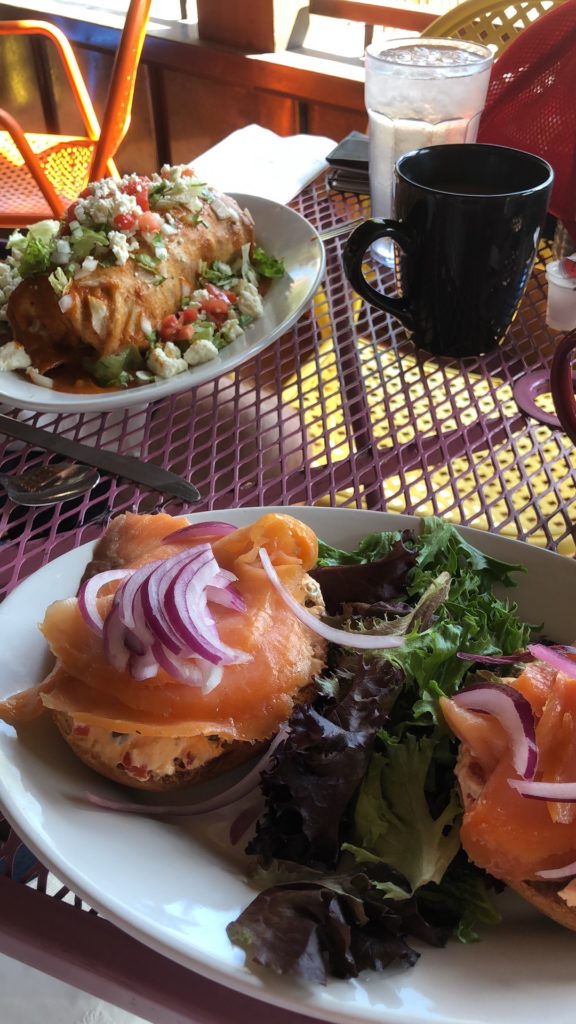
(357, 850)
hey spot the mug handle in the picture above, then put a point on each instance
(359, 241)
(562, 384)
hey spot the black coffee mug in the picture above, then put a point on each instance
(469, 218)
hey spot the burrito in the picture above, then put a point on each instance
(141, 273)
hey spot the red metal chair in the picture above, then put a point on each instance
(41, 174)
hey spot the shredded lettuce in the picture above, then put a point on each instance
(32, 251)
(217, 273)
(265, 264)
(58, 281)
(146, 261)
(86, 242)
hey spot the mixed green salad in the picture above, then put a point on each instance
(357, 852)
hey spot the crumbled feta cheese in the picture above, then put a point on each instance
(164, 364)
(200, 352)
(231, 330)
(172, 350)
(13, 356)
(200, 295)
(120, 246)
(249, 300)
(105, 202)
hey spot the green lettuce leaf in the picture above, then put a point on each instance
(441, 547)
(266, 265)
(393, 822)
(85, 241)
(35, 258)
(217, 273)
(321, 764)
(146, 261)
(382, 577)
(370, 549)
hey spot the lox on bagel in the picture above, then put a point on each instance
(514, 837)
(158, 732)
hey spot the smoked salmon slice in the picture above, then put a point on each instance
(253, 698)
(509, 835)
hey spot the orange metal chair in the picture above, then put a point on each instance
(41, 174)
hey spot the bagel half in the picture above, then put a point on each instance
(158, 733)
(179, 762)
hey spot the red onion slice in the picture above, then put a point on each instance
(126, 594)
(143, 666)
(186, 605)
(357, 641)
(114, 636)
(196, 530)
(88, 596)
(226, 597)
(160, 617)
(550, 874)
(243, 821)
(152, 597)
(514, 713)
(553, 792)
(183, 671)
(551, 657)
(216, 803)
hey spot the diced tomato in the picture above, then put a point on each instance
(138, 188)
(169, 326)
(219, 293)
(216, 309)
(138, 771)
(184, 334)
(125, 221)
(81, 730)
(149, 222)
(70, 213)
(188, 316)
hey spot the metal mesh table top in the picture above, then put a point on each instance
(342, 410)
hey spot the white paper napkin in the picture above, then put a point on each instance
(258, 162)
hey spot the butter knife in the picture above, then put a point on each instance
(146, 473)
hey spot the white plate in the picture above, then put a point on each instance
(167, 885)
(281, 232)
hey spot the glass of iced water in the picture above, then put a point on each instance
(419, 92)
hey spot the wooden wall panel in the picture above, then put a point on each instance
(335, 122)
(203, 112)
